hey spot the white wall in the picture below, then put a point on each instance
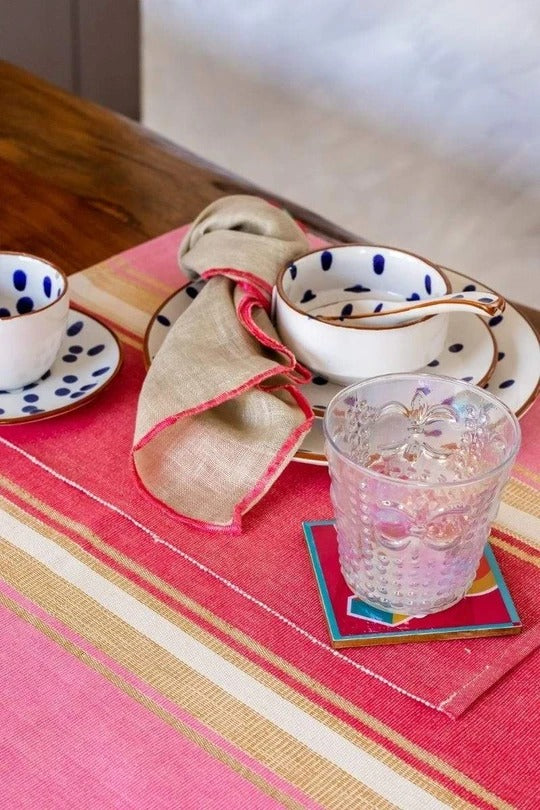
(413, 123)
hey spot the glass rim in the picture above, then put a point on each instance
(494, 471)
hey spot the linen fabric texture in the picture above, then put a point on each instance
(219, 415)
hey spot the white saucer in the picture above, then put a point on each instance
(506, 353)
(89, 358)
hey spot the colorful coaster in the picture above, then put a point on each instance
(486, 610)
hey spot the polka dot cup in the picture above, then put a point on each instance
(345, 352)
(34, 307)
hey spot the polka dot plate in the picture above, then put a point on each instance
(503, 356)
(89, 358)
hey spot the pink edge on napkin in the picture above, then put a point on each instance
(219, 414)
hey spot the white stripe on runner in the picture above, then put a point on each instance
(224, 581)
(310, 732)
(520, 523)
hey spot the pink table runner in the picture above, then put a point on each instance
(221, 638)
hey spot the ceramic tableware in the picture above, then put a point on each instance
(514, 379)
(343, 352)
(469, 354)
(375, 312)
(34, 307)
(88, 360)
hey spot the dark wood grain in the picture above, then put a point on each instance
(98, 168)
(80, 183)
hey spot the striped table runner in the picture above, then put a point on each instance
(148, 665)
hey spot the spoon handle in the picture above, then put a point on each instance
(486, 304)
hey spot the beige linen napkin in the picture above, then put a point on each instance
(219, 414)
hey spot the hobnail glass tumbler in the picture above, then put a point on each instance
(418, 463)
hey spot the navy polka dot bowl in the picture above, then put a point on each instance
(34, 306)
(345, 351)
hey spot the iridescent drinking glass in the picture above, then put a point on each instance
(418, 464)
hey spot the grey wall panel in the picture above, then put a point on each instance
(90, 47)
(37, 35)
(109, 46)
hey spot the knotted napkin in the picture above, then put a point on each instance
(219, 414)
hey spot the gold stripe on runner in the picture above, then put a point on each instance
(534, 476)
(182, 728)
(372, 722)
(175, 680)
(515, 551)
(126, 291)
(132, 318)
(523, 497)
(519, 525)
(137, 343)
(342, 728)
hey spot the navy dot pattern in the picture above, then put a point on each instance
(25, 304)
(19, 280)
(321, 390)
(357, 288)
(309, 295)
(378, 264)
(96, 350)
(326, 260)
(374, 271)
(74, 328)
(95, 357)
(28, 288)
